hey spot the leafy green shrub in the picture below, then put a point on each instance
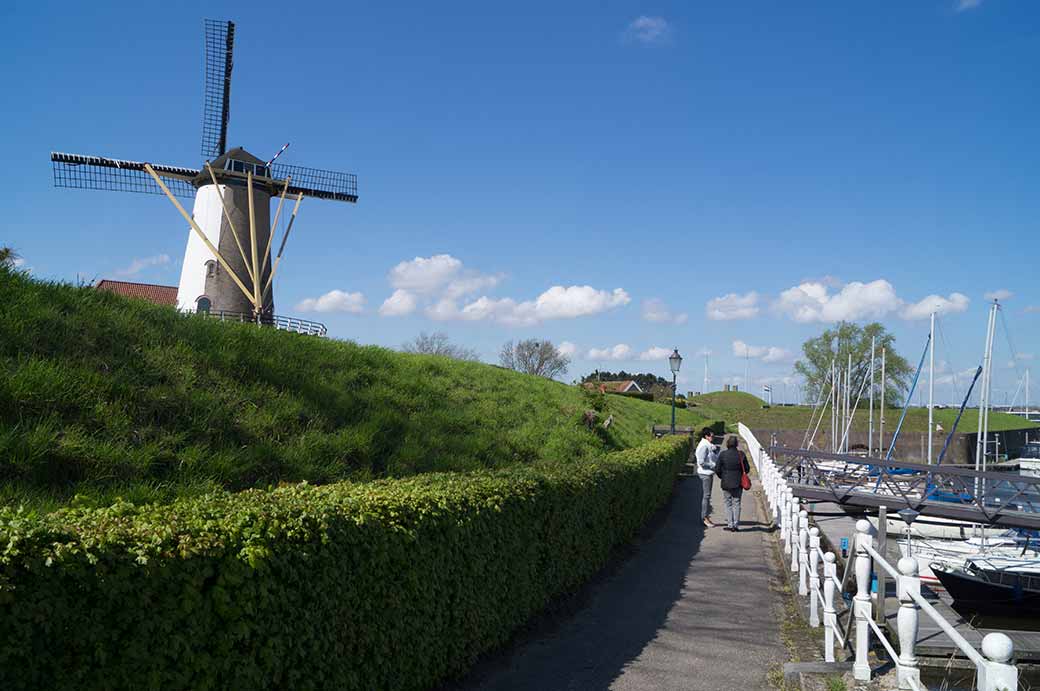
(393, 584)
(641, 395)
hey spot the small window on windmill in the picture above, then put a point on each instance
(202, 305)
(211, 269)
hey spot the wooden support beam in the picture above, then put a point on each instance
(227, 215)
(257, 305)
(281, 248)
(198, 231)
(274, 225)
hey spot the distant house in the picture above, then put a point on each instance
(627, 386)
(160, 295)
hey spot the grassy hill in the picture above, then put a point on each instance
(738, 406)
(105, 397)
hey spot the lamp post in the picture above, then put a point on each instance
(674, 361)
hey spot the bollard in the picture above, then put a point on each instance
(908, 673)
(830, 617)
(794, 532)
(998, 672)
(785, 520)
(861, 603)
(803, 553)
(814, 577)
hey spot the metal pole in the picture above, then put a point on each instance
(673, 402)
(931, 388)
(870, 424)
(980, 441)
(848, 402)
(882, 584)
(881, 409)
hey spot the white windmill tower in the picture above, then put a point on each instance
(228, 267)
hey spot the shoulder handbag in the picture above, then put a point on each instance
(745, 481)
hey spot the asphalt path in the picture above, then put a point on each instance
(688, 608)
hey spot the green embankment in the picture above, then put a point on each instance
(738, 406)
(104, 397)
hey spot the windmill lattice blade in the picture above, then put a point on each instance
(322, 184)
(97, 173)
(216, 97)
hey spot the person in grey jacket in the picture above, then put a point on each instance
(704, 455)
(730, 467)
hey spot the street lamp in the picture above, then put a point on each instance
(674, 361)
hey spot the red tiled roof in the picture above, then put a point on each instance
(606, 386)
(160, 295)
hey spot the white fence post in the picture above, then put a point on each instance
(814, 577)
(907, 620)
(803, 552)
(785, 519)
(861, 604)
(998, 673)
(830, 617)
(793, 533)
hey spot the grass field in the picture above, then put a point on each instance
(104, 397)
(738, 406)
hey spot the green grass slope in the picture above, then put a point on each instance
(105, 397)
(737, 406)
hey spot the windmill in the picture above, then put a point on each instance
(228, 267)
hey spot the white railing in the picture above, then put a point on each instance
(995, 664)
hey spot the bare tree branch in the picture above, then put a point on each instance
(533, 356)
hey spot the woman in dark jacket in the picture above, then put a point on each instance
(730, 467)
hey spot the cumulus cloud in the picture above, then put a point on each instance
(619, 352)
(399, 304)
(763, 353)
(733, 306)
(567, 349)
(965, 5)
(999, 294)
(139, 264)
(654, 310)
(334, 301)
(446, 289)
(1032, 309)
(814, 302)
(645, 29)
(655, 353)
(956, 302)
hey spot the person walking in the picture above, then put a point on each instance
(705, 455)
(731, 467)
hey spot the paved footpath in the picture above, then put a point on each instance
(690, 608)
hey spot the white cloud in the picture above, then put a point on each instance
(1032, 309)
(964, 5)
(334, 301)
(763, 353)
(425, 274)
(961, 378)
(18, 262)
(619, 352)
(402, 302)
(648, 30)
(733, 306)
(999, 294)
(577, 301)
(139, 264)
(813, 302)
(654, 310)
(956, 302)
(566, 348)
(655, 353)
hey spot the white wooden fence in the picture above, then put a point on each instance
(801, 544)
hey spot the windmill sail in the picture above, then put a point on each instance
(99, 173)
(321, 184)
(219, 44)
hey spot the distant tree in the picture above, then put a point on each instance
(534, 356)
(8, 257)
(438, 343)
(835, 344)
(645, 381)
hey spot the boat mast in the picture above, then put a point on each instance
(980, 443)
(870, 424)
(881, 410)
(931, 388)
(848, 402)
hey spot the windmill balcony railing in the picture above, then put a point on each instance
(302, 326)
(801, 545)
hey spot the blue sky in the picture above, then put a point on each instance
(584, 172)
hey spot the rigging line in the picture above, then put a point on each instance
(816, 405)
(1007, 335)
(954, 375)
(852, 415)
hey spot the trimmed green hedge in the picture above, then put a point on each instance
(391, 584)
